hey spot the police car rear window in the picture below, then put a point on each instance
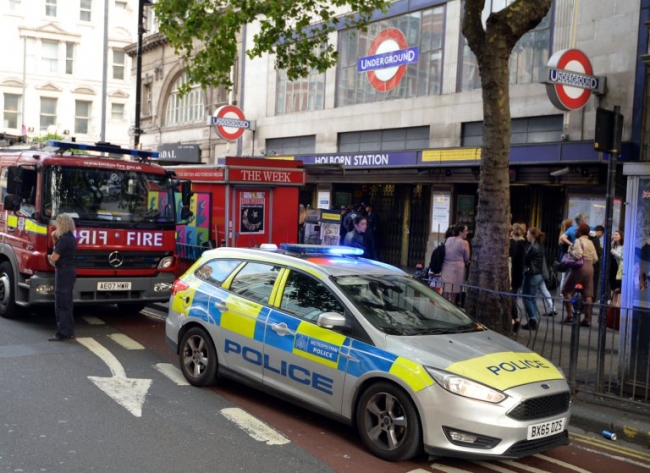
(217, 270)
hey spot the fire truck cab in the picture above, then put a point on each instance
(125, 214)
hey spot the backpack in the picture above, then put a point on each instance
(437, 259)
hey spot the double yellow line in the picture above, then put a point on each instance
(611, 446)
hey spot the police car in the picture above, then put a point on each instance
(365, 343)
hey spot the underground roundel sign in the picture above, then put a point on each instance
(230, 122)
(387, 59)
(570, 80)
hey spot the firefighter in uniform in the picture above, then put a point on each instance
(65, 274)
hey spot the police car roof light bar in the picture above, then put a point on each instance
(103, 148)
(321, 249)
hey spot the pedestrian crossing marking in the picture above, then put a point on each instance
(172, 373)
(125, 341)
(92, 320)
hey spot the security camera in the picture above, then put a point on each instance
(561, 172)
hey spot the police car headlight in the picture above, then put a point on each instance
(465, 387)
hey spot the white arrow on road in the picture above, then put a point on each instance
(130, 393)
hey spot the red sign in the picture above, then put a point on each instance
(270, 176)
(570, 80)
(388, 40)
(230, 122)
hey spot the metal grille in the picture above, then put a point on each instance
(540, 407)
(419, 225)
(529, 447)
(132, 259)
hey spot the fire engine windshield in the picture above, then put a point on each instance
(108, 195)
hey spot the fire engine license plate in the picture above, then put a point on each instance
(113, 286)
(546, 429)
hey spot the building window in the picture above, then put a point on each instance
(69, 58)
(48, 113)
(187, 109)
(12, 107)
(146, 100)
(50, 56)
(422, 30)
(307, 93)
(527, 61)
(150, 21)
(85, 8)
(547, 129)
(119, 59)
(14, 5)
(50, 7)
(120, 5)
(117, 111)
(81, 117)
(396, 139)
(290, 145)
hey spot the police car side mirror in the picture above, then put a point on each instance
(331, 320)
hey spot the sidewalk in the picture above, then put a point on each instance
(593, 413)
(589, 412)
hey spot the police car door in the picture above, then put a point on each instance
(302, 359)
(243, 316)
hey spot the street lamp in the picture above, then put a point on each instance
(137, 131)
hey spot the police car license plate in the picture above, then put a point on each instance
(546, 429)
(113, 286)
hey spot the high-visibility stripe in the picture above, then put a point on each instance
(411, 373)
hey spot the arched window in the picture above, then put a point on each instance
(189, 108)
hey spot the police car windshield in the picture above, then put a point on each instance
(399, 305)
(107, 195)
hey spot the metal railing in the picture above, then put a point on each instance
(611, 357)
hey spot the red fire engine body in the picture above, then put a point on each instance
(125, 215)
(244, 202)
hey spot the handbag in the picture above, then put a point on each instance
(551, 282)
(571, 258)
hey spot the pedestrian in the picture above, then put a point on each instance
(533, 277)
(616, 253)
(457, 254)
(563, 247)
(302, 220)
(583, 275)
(65, 275)
(517, 253)
(595, 237)
(372, 231)
(355, 237)
(569, 236)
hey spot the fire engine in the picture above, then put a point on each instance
(125, 214)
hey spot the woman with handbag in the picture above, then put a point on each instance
(580, 258)
(617, 261)
(533, 278)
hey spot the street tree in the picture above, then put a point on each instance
(297, 32)
(205, 32)
(492, 45)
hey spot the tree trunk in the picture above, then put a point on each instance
(489, 260)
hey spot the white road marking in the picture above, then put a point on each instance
(532, 469)
(419, 470)
(569, 466)
(130, 393)
(500, 469)
(448, 469)
(125, 341)
(609, 455)
(254, 427)
(172, 373)
(92, 320)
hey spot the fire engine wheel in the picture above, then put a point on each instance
(8, 308)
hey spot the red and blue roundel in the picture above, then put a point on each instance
(387, 59)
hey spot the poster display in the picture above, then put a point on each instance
(252, 206)
(640, 241)
(330, 227)
(192, 237)
(440, 211)
(465, 211)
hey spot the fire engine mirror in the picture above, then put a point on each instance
(186, 213)
(12, 202)
(186, 193)
(13, 179)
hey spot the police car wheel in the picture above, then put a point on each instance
(388, 422)
(198, 357)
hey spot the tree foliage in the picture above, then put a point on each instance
(492, 44)
(204, 33)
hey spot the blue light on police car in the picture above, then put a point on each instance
(321, 250)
